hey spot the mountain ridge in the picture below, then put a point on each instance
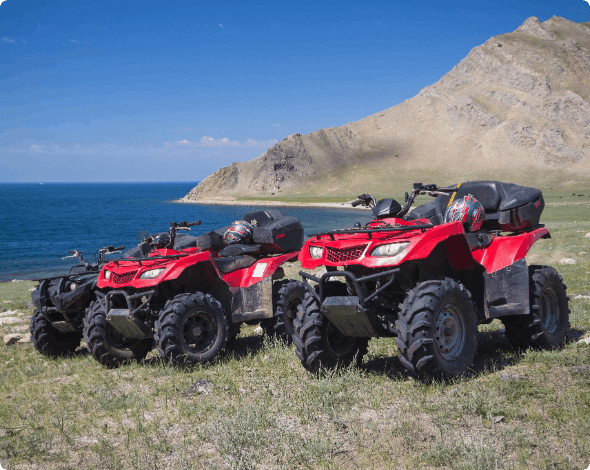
(516, 108)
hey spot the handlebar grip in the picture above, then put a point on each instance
(192, 224)
(71, 252)
(119, 248)
(356, 203)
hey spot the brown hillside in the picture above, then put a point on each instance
(517, 108)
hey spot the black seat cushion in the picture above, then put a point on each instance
(210, 240)
(233, 263)
(262, 218)
(434, 210)
(184, 240)
(478, 240)
(239, 250)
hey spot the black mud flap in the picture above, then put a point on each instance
(252, 303)
(507, 291)
(119, 319)
(346, 313)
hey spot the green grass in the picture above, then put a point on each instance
(516, 410)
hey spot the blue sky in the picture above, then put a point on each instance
(171, 91)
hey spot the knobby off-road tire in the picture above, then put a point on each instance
(287, 298)
(437, 329)
(108, 346)
(319, 344)
(546, 326)
(192, 329)
(48, 340)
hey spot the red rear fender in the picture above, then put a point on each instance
(506, 250)
(262, 269)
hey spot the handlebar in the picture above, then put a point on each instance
(365, 199)
(175, 226)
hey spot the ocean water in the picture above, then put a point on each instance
(41, 222)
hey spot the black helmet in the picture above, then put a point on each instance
(238, 232)
(468, 210)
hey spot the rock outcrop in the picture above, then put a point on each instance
(517, 108)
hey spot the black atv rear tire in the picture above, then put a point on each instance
(106, 345)
(546, 326)
(48, 340)
(437, 329)
(182, 323)
(287, 297)
(319, 344)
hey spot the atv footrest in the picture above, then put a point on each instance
(119, 319)
(346, 313)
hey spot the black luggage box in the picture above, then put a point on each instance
(275, 231)
(508, 207)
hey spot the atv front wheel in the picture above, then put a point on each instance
(320, 344)
(192, 329)
(546, 326)
(48, 340)
(437, 329)
(107, 345)
(287, 297)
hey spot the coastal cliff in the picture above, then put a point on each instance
(517, 108)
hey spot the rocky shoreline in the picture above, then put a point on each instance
(236, 202)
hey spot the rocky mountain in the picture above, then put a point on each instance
(517, 108)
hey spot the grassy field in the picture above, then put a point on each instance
(259, 409)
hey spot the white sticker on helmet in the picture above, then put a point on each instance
(259, 270)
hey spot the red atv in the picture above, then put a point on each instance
(430, 283)
(194, 292)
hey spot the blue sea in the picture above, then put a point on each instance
(41, 222)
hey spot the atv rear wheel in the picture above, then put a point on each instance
(546, 326)
(287, 298)
(107, 345)
(48, 340)
(319, 344)
(437, 329)
(192, 329)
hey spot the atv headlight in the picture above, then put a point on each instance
(393, 249)
(107, 274)
(152, 273)
(316, 252)
(73, 286)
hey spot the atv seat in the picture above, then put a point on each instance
(508, 207)
(239, 250)
(233, 263)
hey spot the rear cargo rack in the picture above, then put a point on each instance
(372, 230)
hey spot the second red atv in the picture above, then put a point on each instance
(430, 284)
(191, 294)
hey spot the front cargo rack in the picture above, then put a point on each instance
(372, 230)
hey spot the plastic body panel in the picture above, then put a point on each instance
(500, 253)
(134, 269)
(506, 250)
(421, 244)
(262, 269)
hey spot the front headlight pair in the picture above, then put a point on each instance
(151, 274)
(392, 249)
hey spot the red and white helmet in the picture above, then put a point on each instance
(468, 210)
(238, 232)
